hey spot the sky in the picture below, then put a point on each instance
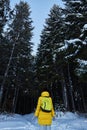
(62, 121)
(39, 12)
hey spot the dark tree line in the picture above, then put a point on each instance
(60, 64)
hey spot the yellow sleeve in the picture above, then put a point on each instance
(38, 107)
(53, 113)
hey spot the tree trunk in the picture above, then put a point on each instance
(65, 98)
(5, 99)
(15, 99)
(5, 75)
(71, 89)
(83, 100)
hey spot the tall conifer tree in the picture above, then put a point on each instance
(51, 39)
(20, 34)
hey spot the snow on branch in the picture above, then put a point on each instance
(82, 68)
(68, 42)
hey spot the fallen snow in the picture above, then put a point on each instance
(62, 121)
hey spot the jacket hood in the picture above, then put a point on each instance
(45, 94)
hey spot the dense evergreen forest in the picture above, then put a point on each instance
(60, 64)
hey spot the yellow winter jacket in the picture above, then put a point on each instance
(44, 118)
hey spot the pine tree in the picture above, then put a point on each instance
(81, 69)
(51, 38)
(75, 19)
(4, 44)
(20, 34)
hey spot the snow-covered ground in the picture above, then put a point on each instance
(62, 121)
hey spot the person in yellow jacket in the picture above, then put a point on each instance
(44, 118)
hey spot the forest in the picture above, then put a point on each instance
(60, 64)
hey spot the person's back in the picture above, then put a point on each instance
(46, 104)
(44, 116)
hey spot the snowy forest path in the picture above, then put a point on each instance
(63, 121)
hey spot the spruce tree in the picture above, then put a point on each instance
(75, 19)
(51, 39)
(4, 43)
(81, 68)
(20, 34)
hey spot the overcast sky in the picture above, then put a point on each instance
(39, 12)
